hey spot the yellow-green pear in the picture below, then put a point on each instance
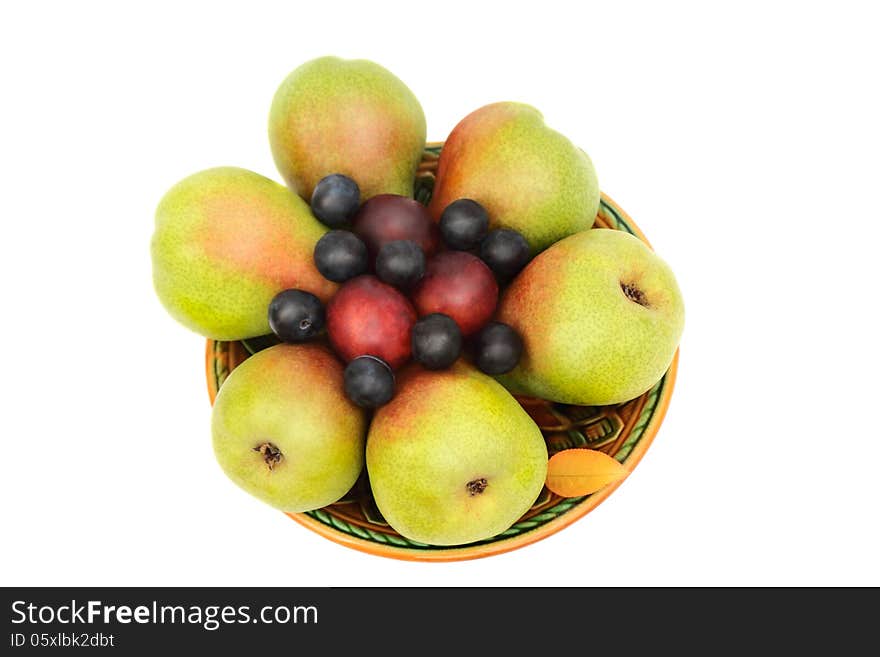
(347, 116)
(284, 430)
(528, 177)
(226, 241)
(453, 458)
(600, 315)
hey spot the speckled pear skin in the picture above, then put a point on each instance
(348, 116)
(292, 397)
(226, 241)
(586, 342)
(528, 177)
(442, 430)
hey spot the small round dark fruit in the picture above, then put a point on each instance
(296, 315)
(369, 382)
(463, 224)
(505, 251)
(341, 255)
(436, 341)
(335, 200)
(498, 348)
(400, 263)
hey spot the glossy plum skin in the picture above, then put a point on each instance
(463, 224)
(296, 315)
(400, 263)
(436, 341)
(460, 285)
(368, 382)
(388, 217)
(340, 255)
(335, 199)
(505, 251)
(369, 317)
(498, 348)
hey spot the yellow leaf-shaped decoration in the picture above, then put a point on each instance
(576, 472)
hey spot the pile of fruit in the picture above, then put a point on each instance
(402, 331)
(419, 303)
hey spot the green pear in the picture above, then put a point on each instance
(284, 430)
(528, 177)
(352, 117)
(226, 241)
(600, 315)
(453, 458)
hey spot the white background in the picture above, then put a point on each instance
(743, 140)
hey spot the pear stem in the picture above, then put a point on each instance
(476, 486)
(272, 456)
(634, 294)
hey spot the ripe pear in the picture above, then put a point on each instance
(284, 430)
(528, 177)
(226, 241)
(453, 458)
(600, 315)
(348, 116)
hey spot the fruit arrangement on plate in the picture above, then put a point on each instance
(429, 351)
